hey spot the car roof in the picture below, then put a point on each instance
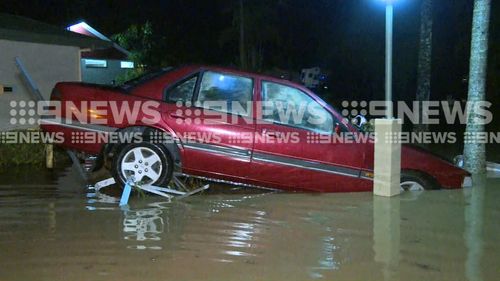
(193, 68)
(267, 78)
(247, 73)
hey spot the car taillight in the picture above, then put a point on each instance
(55, 95)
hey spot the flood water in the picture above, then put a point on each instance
(56, 230)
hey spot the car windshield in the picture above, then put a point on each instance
(147, 76)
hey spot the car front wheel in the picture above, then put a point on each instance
(415, 181)
(147, 163)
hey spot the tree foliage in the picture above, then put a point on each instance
(138, 40)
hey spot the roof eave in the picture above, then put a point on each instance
(33, 37)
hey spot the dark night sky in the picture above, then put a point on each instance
(346, 37)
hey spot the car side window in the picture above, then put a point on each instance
(290, 106)
(184, 91)
(226, 93)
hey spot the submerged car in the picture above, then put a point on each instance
(228, 125)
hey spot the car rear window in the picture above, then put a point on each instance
(184, 91)
(148, 76)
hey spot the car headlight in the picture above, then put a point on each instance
(459, 161)
(467, 182)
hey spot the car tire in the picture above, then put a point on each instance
(148, 163)
(416, 181)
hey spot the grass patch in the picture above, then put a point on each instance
(28, 153)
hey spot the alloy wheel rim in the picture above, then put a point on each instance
(143, 163)
(411, 186)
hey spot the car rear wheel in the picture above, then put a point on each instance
(415, 181)
(147, 163)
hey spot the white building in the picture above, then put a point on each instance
(50, 55)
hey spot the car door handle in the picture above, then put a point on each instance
(177, 116)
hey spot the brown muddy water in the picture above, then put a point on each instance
(55, 230)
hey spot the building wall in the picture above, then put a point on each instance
(102, 75)
(47, 65)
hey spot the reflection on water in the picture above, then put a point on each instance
(474, 199)
(142, 225)
(386, 235)
(57, 230)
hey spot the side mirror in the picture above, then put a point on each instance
(359, 121)
(338, 129)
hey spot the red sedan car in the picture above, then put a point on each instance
(227, 125)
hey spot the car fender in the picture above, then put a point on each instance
(169, 141)
(444, 172)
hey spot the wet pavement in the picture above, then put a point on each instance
(56, 230)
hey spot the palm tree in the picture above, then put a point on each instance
(254, 25)
(424, 59)
(475, 152)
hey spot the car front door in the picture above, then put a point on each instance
(213, 119)
(295, 146)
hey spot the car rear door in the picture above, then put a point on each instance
(294, 146)
(213, 118)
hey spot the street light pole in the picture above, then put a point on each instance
(389, 14)
(387, 158)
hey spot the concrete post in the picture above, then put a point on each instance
(387, 158)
